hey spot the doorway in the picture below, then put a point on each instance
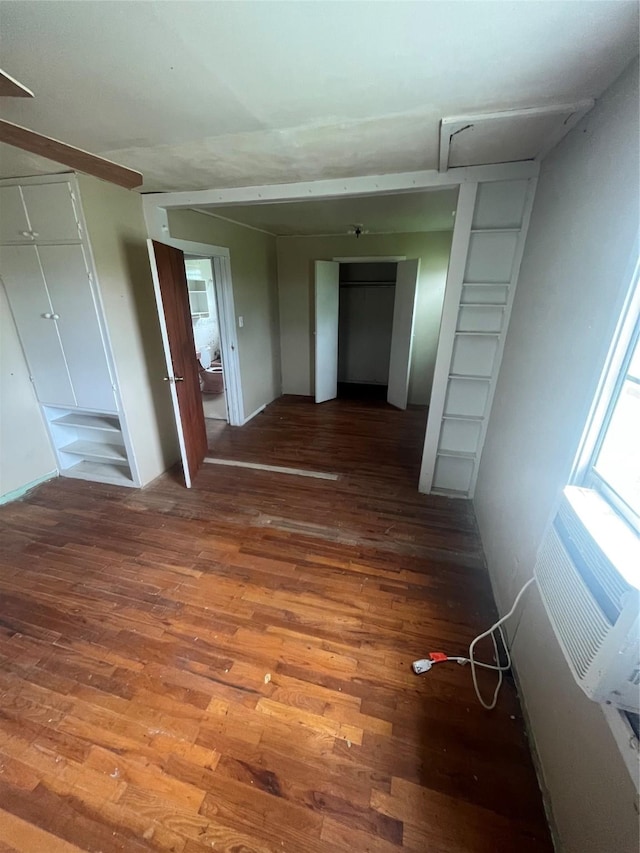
(364, 318)
(175, 305)
(365, 325)
(205, 319)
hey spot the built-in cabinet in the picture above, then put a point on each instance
(47, 270)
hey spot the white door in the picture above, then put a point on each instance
(402, 333)
(67, 277)
(52, 215)
(33, 313)
(14, 225)
(326, 331)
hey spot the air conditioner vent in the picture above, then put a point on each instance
(593, 609)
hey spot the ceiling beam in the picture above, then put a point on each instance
(10, 88)
(343, 187)
(68, 155)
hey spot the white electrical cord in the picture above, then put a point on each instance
(425, 665)
(498, 669)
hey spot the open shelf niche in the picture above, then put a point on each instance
(89, 445)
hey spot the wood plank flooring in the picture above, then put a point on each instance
(228, 668)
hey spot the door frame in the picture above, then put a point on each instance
(377, 259)
(157, 205)
(223, 284)
(218, 297)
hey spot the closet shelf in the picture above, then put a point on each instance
(95, 450)
(101, 422)
(475, 377)
(478, 334)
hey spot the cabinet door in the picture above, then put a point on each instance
(51, 211)
(14, 226)
(27, 293)
(66, 274)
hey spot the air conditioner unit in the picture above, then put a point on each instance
(593, 607)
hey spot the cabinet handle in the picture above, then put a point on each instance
(48, 316)
(26, 233)
(34, 234)
(55, 316)
(174, 378)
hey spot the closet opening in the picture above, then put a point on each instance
(205, 318)
(365, 326)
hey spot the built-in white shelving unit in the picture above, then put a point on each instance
(479, 295)
(47, 268)
(198, 297)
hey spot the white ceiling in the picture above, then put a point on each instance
(379, 214)
(214, 94)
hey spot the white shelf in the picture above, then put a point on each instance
(473, 418)
(460, 454)
(103, 472)
(450, 493)
(495, 230)
(98, 452)
(100, 422)
(478, 334)
(474, 378)
(501, 305)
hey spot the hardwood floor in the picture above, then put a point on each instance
(228, 668)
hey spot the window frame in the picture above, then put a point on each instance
(592, 477)
(613, 376)
(583, 474)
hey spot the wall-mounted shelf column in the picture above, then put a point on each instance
(488, 243)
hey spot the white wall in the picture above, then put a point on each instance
(295, 283)
(26, 455)
(255, 292)
(117, 232)
(584, 223)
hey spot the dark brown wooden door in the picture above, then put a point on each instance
(172, 296)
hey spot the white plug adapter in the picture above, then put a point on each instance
(420, 666)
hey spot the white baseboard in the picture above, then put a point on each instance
(253, 414)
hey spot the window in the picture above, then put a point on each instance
(615, 466)
(609, 463)
(609, 459)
